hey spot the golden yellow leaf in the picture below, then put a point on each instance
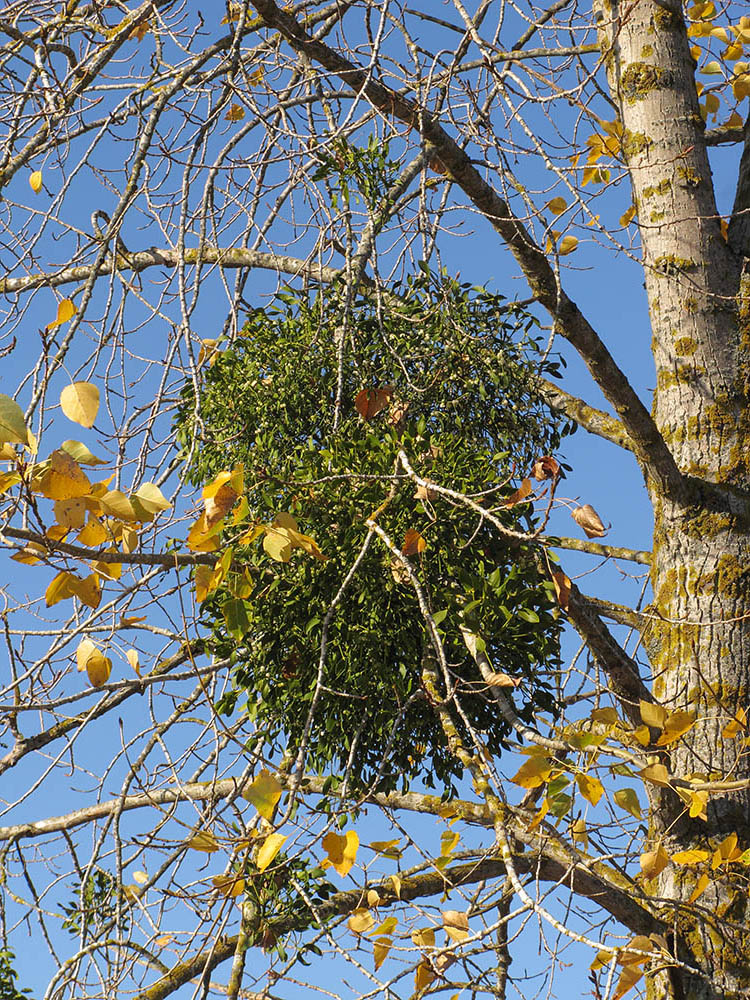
(86, 648)
(605, 716)
(396, 883)
(235, 113)
(13, 428)
(627, 217)
(694, 857)
(202, 538)
(676, 725)
(539, 817)
(653, 715)
(94, 533)
(700, 887)
(63, 479)
(203, 840)
(269, 849)
(602, 958)
(698, 802)
(567, 245)
(726, 851)
(423, 976)
(736, 725)
(591, 788)
(387, 927)
(563, 587)
(60, 589)
(642, 735)
(456, 925)
(341, 851)
(388, 848)
(35, 181)
(557, 205)
(636, 952)
(219, 503)
(151, 498)
(79, 402)
(131, 656)
(98, 668)
(579, 834)
(628, 978)
(88, 590)
(71, 514)
(380, 951)
(448, 841)
(66, 310)
(533, 772)
(264, 793)
(654, 862)
(424, 938)
(657, 774)
(277, 545)
(229, 886)
(360, 921)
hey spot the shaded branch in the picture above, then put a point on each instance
(592, 420)
(169, 560)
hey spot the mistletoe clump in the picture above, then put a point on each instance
(319, 400)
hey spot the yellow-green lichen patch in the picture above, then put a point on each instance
(690, 305)
(656, 216)
(646, 51)
(634, 143)
(665, 20)
(685, 346)
(669, 264)
(730, 578)
(689, 176)
(639, 79)
(680, 374)
(701, 523)
(663, 187)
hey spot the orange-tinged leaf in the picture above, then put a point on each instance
(369, 402)
(79, 402)
(537, 820)
(494, 678)
(557, 205)
(588, 519)
(264, 793)
(628, 978)
(637, 950)
(654, 862)
(545, 467)
(567, 245)
(235, 114)
(414, 543)
(204, 840)
(520, 494)
(35, 181)
(591, 788)
(63, 479)
(65, 312)
(736, 725)
(700, 887)
(269, 849)
(694, 857)
(203, 579)
(456, 925)
(561, 583)
(219, 504)
(341, 851)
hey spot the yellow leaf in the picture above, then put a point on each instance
(140, 877)
(277, 545)
(264, 793)
(360, 921)
(65, 311)
(698, 802)
(13, 428)
(657, 774)
(396, 883)
(229, 886)
(388, 848)
(628, 800)
(694, 857)
(235, 114)
(712, 68)
(533, 773)
(414, 543)
(80, 402)
(98, 668)
(94, 533)
(269, 849)
(203, 578)
(219, 503)
(63, 479)
(537, 820)
(202, 538)
(448, 841)
(204, 840)
(86, 648)
(627, 217)
(115, 502)
(602, 958)
(579, 834)
(423, 976)
(642, 735)
(700, 887)
(151, 498)
(726, 851)
(557, 205)
(132, 657)
(456, 925)
(606, 716)
(388, 926)
(591, 788)
(256, 76)
(736, 725)
(567, 245)
(88, 590)
(424, 938)
(373, 897)
(654, 862)
(633, 953)
(628, 978)
(563, 586)
(653, 715)
(7, 480)
(380, 951)
(71, 513)
(35, 181)
(341, 851)
(60, 589)
(677, 724)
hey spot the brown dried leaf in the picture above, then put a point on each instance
(587, 518)
(520, 494)
(546, 467)
(414, 543)
(369, 402)
(562, 586)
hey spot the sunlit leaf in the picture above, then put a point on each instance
(369, 402)
(654, 862)
(567, 245)
(71, 513)
(700, 886)
(341, 851)
(81, 453)
(94, 533)
(628, 978)
(456, 925)
(533, 772)
(590, 787)
(694, 857)
(413, 543)
(60, 589)
(657, 774)
(380, 951)
(65, 312)
(557, 205)
(676, 725)
(98, 668)
(79, 402)
(264, 793)
(12, 425)
(269, 849)
(563, 586)
(653, 715)
(151, 498)
(627, 799)
(229, 886)
(360, 921)
(63, 479)
(423, 976)
(520, 494)
(588, 519)
(204, 840)
(424, 938)
(35, 181)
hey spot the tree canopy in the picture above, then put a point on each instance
(324, 671)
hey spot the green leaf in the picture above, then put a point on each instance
(235, 617)
(12, 425)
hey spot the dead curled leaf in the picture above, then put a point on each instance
(369, 402)
(545, 467)
(520, 494)
(562, 586)
(587, 518)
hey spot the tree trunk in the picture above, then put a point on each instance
(698, 639)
